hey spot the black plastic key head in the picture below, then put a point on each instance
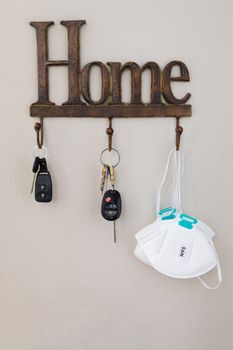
(43, 187)
(36, 164)
(111, 205)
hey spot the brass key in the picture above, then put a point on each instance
(112, 175)
(103, 178)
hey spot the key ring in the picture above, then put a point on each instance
(116, 152)
(40, 152)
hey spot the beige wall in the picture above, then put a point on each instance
(63, 284)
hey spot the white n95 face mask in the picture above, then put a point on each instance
(177, 244)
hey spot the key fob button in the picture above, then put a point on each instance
(110, 213)
(111, 206)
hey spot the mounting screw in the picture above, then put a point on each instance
(109, 131)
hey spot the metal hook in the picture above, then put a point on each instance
(109, 132)
(39, 128)
(179, 131)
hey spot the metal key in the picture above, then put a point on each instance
(103, 178)
(107, 177)
(112, 175)
(35, 168)
(114, 231)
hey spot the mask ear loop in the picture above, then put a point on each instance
(219, 271)
(158, 200)
(179, 167)
(178, 172)
(179, 160)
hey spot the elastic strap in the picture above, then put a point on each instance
(178, 172)
(177, 195)
(219, 271)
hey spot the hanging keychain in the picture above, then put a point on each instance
(42, 182)
(111, 201)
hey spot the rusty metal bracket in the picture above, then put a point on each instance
(39, 128)
(110, 132)
(179, 131)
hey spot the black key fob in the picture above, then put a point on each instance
(111, 205)
(43, 185)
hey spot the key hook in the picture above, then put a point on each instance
(179, 131)
(39, 128)
(109, 132)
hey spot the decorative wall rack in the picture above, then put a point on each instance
(163, 102)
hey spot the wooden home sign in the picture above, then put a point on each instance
(163, 102)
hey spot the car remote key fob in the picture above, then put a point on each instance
(111, 205)
(43, 185)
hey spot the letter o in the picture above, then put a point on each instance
(85, 81)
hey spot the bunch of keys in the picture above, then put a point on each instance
(42, 181)
(111, 202)
(108, 173)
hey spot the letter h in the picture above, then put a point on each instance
(73, 62)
